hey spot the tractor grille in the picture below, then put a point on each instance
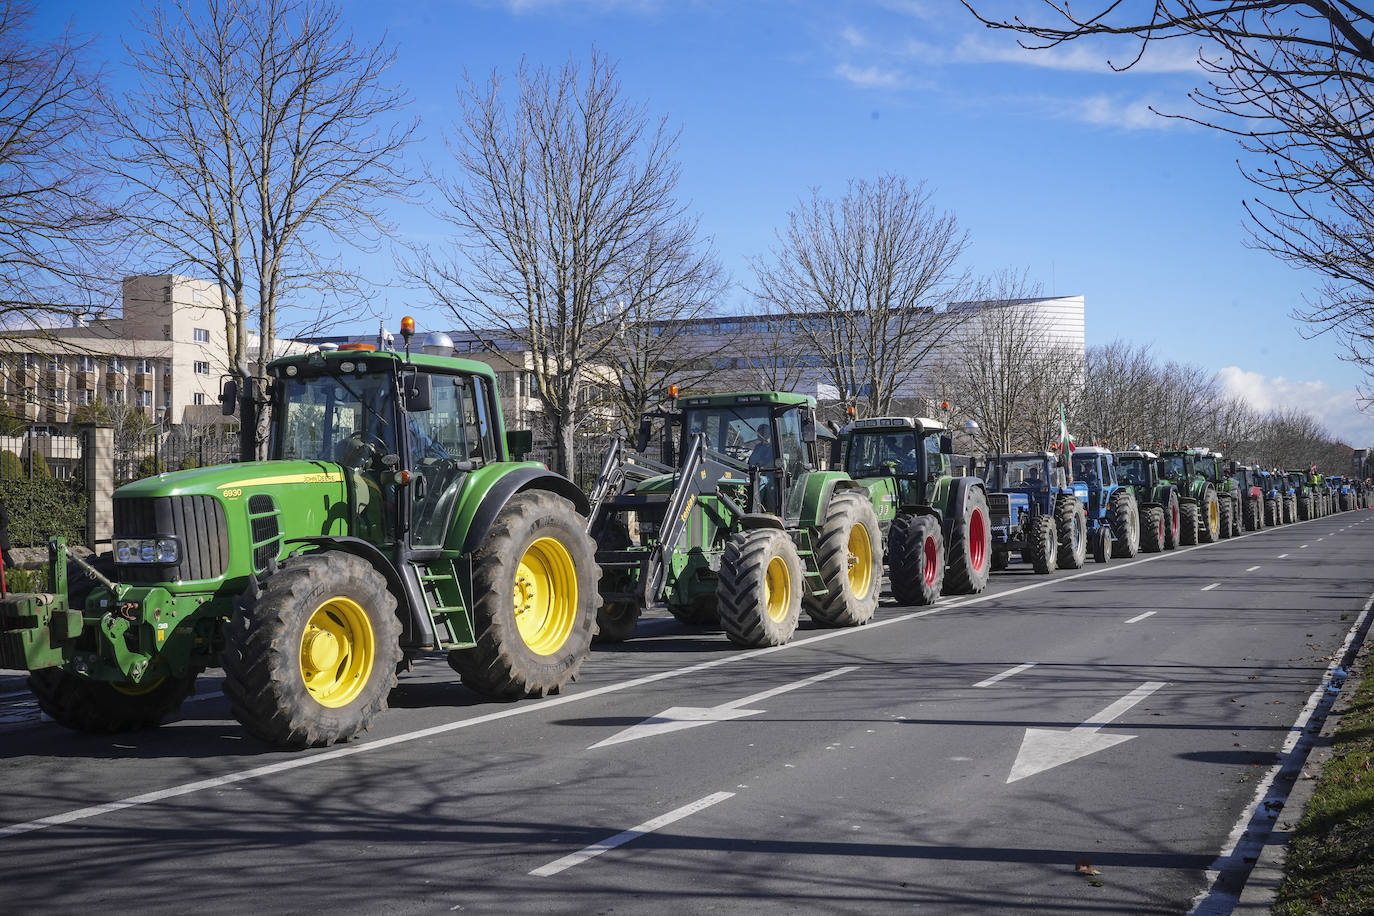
(196, 521)
(999, 508)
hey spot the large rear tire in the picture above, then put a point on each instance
(1071, 520)
(1252, 519)
(970, 547)
(534, 582)
(616, 621)
(310, 661)
(916, 560)
(1043, 547)
(1225, 526)
(1209, 517)
(1152, 529)
(1304, 509)
(1124, 517)
(760, 588)
(849, 557)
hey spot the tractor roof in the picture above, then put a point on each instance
(925, 424)
(1092, 450)
(731, 399)
(322, 358)
(1137, 453)
(1022, 456)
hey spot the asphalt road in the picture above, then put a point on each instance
(963, 758)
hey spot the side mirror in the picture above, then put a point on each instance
(418, 391)
(519, 443)
(229, 397)
(808, 426)
(946, 445)
(646, 429)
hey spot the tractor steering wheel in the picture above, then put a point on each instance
(358, 451)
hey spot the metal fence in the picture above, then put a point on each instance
(42, 484)
(147, 452)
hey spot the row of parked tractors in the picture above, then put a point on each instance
(395, 516)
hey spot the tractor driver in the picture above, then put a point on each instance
(763, 455)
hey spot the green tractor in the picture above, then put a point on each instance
(389, 519)
(1230, 500)
(1161, 519)
(939, 536)
(744, 531)
(1199, 505)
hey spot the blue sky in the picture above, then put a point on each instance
(1052, 162)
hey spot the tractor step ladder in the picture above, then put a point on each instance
(444, 603)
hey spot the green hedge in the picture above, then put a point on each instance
(43, 507)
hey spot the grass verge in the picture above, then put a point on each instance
(1330, 867)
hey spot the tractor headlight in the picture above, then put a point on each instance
(163, 551)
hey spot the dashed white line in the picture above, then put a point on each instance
(1303, 547)
(1208, 588)
(1252, 569)
(1004, 675)
(1139, 617)
(1282, 555)
(634, 833)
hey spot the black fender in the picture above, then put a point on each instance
(417, 628)
(958, 498)
(517, 481)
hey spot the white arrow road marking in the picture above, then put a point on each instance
(678, 718)
(1046, 748)
(634, 833)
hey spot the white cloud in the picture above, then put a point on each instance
(853, 37)
(1114, 111)
(1337, 409)
(1079, 56)
(872, 77)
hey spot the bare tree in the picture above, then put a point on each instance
(667, 286)
(1294, 83)
(261, 137)
(560, 195)
(868, 280)
(54, 212)
(1111, 405)
(1005, 372)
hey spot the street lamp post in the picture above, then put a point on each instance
(159, 413)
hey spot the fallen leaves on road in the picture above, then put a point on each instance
(1086, 867)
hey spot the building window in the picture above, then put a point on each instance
(59, 395)
(117, 396)
(201, 334)
(198, 398)
(115, 364)
(54, 363)
(85, 363)
(84, 396)
(143, 366)
(28, 361)
(202, 367)
(145, 399)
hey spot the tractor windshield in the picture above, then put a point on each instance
(1085, 469)
(1174, 466)
(1207, 467)
(875, 452)
(1016, 473)
(1133, 472)
(342, 418)
(748, 433)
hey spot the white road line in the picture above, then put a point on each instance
(351, 750)
(1005, 674)
(634, 833)
(1139, 617)
(1303, 547)
(1321, 539)
(1252, 569)
(1212, 899)
(1208, 588)
(1282, 556)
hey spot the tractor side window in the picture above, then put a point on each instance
(454, 436)
(936, 463)
(791, 448)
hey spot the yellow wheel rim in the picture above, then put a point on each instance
(1214, 516)
(338, 649)
(545, 596)
(777, 590)
(860, 562)
(130, 689)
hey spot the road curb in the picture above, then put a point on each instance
(1262, 886)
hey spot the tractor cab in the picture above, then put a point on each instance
(1093, 466)
(1034, 472)
(1137, 469)
(406, 432)
(913, 451)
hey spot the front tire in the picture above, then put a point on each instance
(916, 563)
(309, 662)
(1173, 521)
(534, 585)
(1123, 515)
(1044, 545)
(970, 543)
(1071, 519)
(849, 556)
(1152, 529)
(1225, 527)
(1102, 545)
(1209, 517)
(104, 707)
(760, 588)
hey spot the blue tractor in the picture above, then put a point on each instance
(1275, 497)
(1038, 510)
(1113, 516)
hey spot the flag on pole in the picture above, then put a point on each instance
(1065, 439)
